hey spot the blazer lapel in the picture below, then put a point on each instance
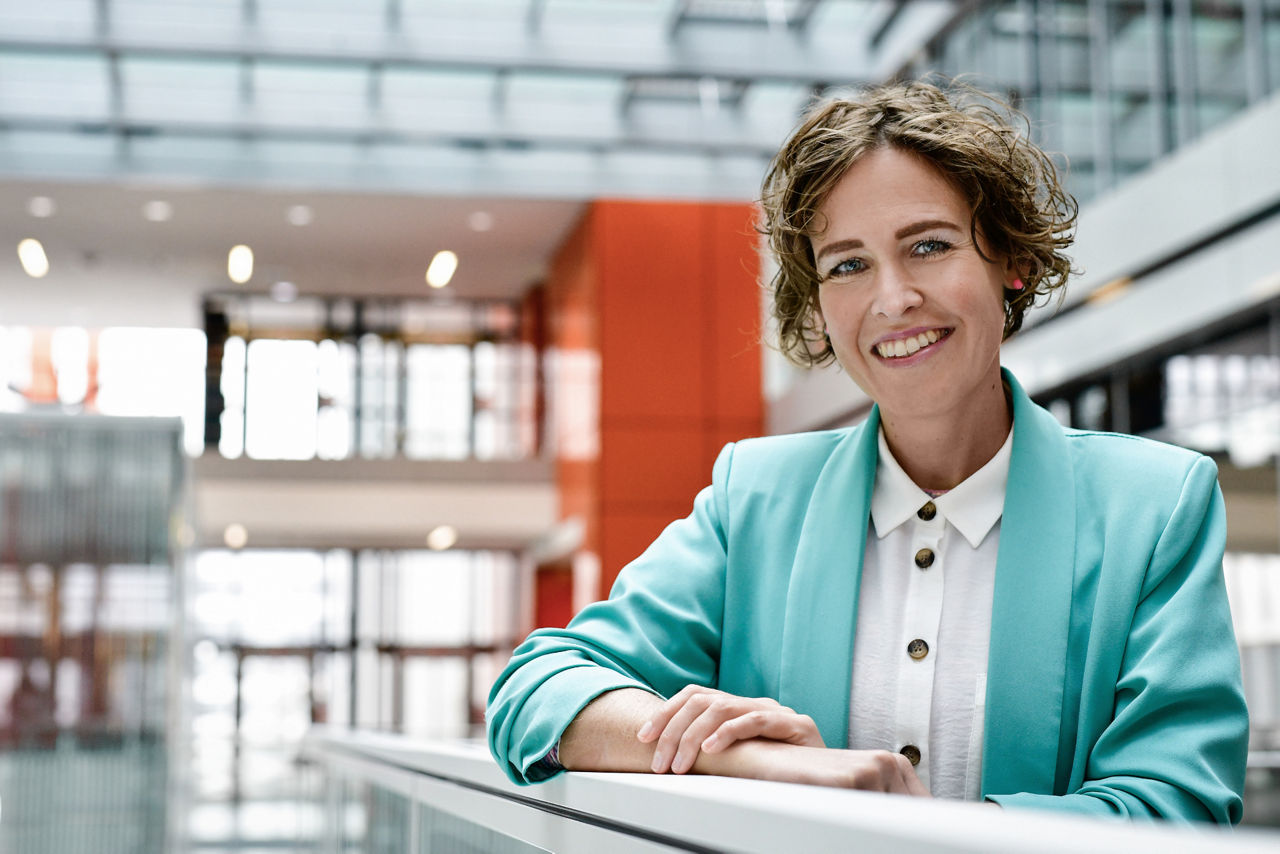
(1031, 609)
(822, 597)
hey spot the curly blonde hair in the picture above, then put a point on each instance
(1018, 205)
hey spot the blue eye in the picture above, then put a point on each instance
(931, 246)
(847, 267)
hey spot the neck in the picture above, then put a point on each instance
(939, 452)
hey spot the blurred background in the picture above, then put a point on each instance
(342, 343)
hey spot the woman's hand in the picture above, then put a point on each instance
(865, 770)
(704, 720)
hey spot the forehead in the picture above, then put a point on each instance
(886, 186)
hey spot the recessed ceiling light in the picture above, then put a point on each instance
(240, 264)
(442, 268)
(41, 207)
(284, 292)
(442, 538)
(235, 536)
(480, 221)
(300, 215)
(31, 254)
(158, 210)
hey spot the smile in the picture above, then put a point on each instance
(910, 345)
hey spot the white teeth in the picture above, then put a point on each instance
(907, 346)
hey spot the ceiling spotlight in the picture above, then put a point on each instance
(480, 221)
(284, 292)
(442, 268)
(31, 254)
(235, 536)
(442, 538)
(240, 264)
(157, 210)
(300, 215)
(41, 207)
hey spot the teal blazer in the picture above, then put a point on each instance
(1113, 682)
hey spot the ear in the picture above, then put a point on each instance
(1014, 275)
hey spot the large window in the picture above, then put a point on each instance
(375, 380)
(1112, 85)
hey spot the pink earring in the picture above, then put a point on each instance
(1017, 285)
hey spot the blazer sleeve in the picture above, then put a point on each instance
(659, 630)
(1177, 744)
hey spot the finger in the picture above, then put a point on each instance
(912, 780)
(908, 780)
(778, 725)
(700, 729)
(669, 740)
(653, 727)
(753, 724)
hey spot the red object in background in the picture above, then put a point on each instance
(667, 294)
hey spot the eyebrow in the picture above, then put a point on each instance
(905, 231)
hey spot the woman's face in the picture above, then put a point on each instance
(915, 314)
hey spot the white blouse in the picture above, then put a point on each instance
(924, 622)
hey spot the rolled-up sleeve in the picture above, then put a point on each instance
(659, 630)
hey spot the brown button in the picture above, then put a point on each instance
(924, 558)
(917, 649)
(927, 512)
(912, 753)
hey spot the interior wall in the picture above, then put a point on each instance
(666, 295)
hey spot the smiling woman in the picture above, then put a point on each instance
(957, 597)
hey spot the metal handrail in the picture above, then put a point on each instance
(581, 812)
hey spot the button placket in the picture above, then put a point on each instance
(922, 617)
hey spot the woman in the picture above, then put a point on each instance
(957, 596)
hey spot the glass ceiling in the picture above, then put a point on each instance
(252, 89)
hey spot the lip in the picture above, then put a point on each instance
(908, 333)
(916, 357)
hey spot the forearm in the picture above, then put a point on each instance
(603, 735)
(603, 738)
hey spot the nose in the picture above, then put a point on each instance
(896, 292)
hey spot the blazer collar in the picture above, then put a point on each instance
(822, 596)
(1031, 610)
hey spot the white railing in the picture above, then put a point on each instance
(582, 812)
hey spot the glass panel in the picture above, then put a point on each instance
(1271, 39)
(1218, 36)
(379, 380)
(310, 95)
(439, 402)
(440, 832)
(154, 372)
(282, 400)
(165, 90)
(234, 363)
(68, 86)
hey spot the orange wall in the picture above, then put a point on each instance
(667, 294)
(680, 360)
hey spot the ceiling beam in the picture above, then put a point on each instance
(696, 51)
(492, 130)
(577, 173)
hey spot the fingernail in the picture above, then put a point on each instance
(677, 764)
(657, 763)
(710, 743)
(645, 730)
